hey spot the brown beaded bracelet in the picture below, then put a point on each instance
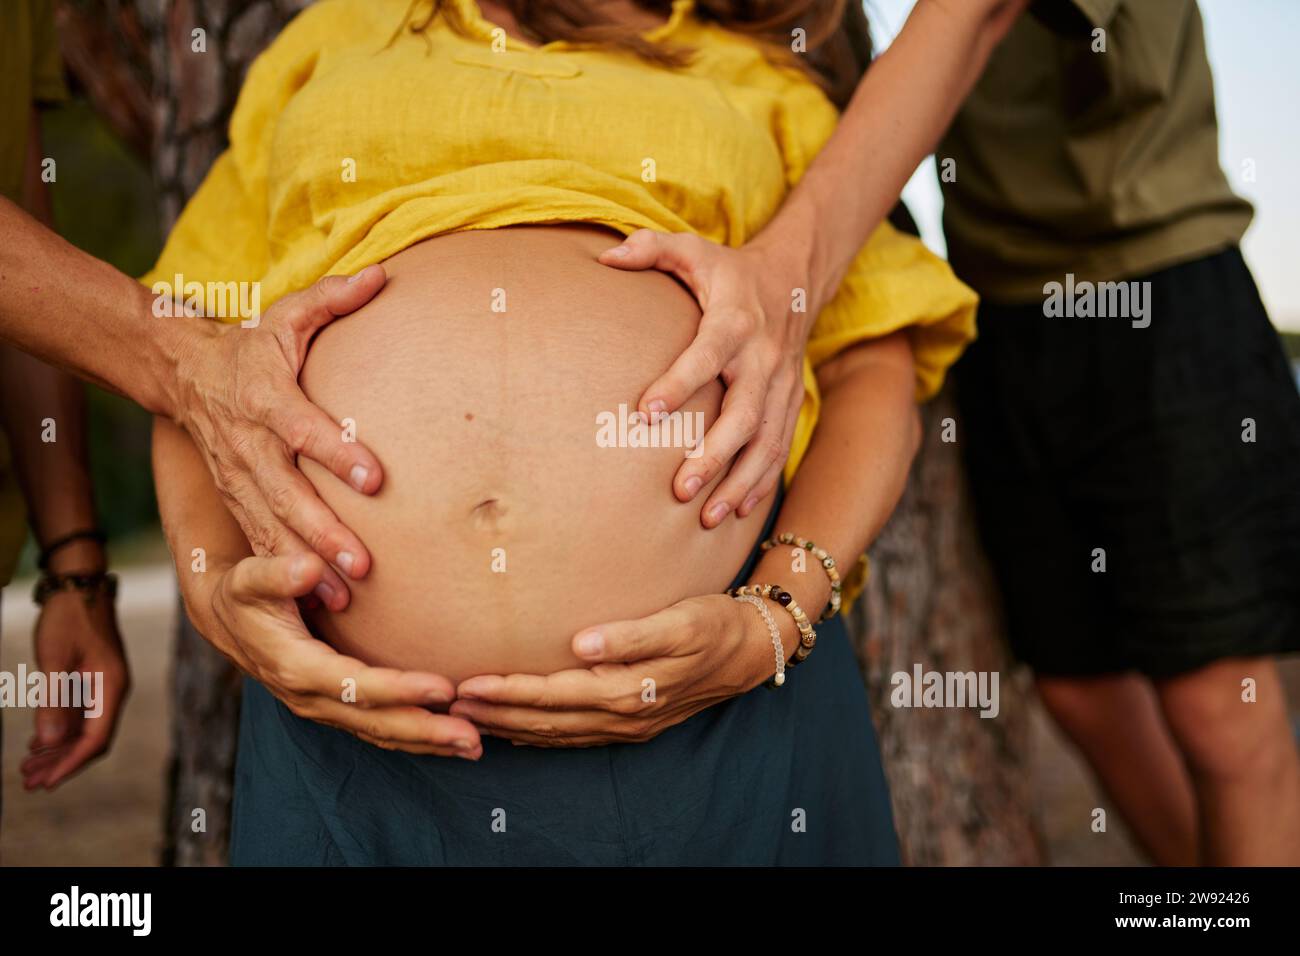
(827, 562)
(774, 592)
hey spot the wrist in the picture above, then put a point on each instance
(793, 247)
(785, 269)
(84, 556)
(176, 342)
(810, 588)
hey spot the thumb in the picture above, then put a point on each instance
(308, 311)
(276, 578)
(678, 253)
(636, 640)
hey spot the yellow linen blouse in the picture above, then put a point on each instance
(352, 140)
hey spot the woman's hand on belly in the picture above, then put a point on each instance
(257, 625)
(749, 337)
(644, 676)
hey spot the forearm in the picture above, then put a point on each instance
(43, 412)
(854, 472)
(901, 107)
(194, 517)
(80, 314)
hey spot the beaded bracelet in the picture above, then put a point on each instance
(774, 592)
(89, 586)
(777, 647)
(827, 562)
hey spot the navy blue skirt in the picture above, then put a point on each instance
(790, 776)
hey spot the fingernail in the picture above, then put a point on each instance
(345, 561)
(719, 511)
(591, 644)
(749, 505)
(357, 275)
(324, 592)
(436, 697)
(618, 252)
(298, 570)
(658, 405)
(692, 485)
(464, 744)
(359, 474)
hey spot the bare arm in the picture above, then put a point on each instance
(43, 413)
(855, 470)
(234, 389)
(748, 334)
(902, 106)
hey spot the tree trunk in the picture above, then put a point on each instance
(960, 782)
(960, 786)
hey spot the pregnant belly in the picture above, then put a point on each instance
(488, 377)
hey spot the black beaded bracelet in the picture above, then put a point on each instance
(87, 534)
(90, 586)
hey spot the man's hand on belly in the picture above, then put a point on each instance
(238, 397)
(252, 618)
(645, 676)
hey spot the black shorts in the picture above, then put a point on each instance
(1089, 440)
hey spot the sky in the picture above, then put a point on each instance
(1254, 50)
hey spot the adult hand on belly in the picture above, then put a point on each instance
(645, 676)
(751, 339)
(257, 625)
(240, 402)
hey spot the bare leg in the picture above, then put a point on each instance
(1243, 761)
(1115, 720)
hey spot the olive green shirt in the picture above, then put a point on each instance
(1071, 159)
(30, 73)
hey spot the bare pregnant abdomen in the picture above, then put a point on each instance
(509, 519)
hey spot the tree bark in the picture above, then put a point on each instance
(959, 782)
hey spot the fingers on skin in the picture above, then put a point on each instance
(269, 538)
(386, 687)
(656, 636)
(609, 689)
(714, 346)
(754, 474)
(411, 729)
(301, 668)
(308, 431)
(679, 253)
(305, 312)
(383, 706)
(741, 417)
(275, 578)
(767, 484)
(294, 502)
